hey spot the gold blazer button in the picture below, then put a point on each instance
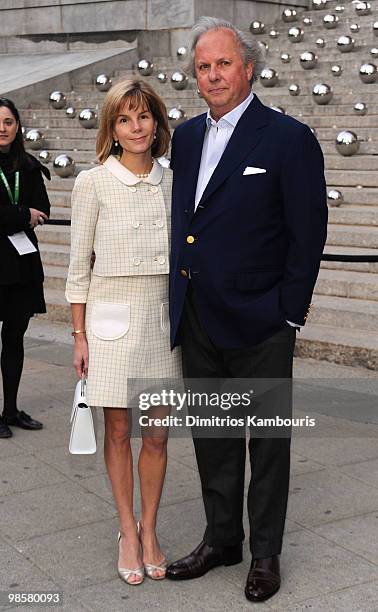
(190, 239)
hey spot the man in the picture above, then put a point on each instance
(248, 228)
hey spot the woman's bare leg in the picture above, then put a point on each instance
(152, 467)
(119, 463)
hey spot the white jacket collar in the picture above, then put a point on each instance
(128, 178)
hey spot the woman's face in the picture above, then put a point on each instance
(135, 129)
(8, 128)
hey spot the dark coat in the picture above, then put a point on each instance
(14, 268)
(258, 238)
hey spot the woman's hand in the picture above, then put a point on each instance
(81, 355)
(37, 217)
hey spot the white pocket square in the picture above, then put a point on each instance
(252, 170)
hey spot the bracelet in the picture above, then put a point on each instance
(78, 331)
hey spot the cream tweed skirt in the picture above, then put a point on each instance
(127, 324)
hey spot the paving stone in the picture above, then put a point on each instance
(354, 534)
(49, 509)
(360, 598)
(25, 472)
(326, 496)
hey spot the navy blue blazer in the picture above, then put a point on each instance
(258, 238)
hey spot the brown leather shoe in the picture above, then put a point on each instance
(203, 559)
(263, 579)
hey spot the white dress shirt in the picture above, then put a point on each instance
(217, 135)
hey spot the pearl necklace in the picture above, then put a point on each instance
(143, 176)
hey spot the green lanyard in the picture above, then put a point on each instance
(13, 198)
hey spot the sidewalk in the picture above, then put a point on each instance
(58, 525)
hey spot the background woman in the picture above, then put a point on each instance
(121, 210)
(24, 204)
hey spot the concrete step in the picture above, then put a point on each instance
(55, 254)
(60, 212)
(354, 215)
(346, 265)
(344, 313)
(346, 235)
(348, 284)
(60, 199)
(50, 234)
(351, 178)
(57, 307)
(356, 162)
(351, 347)
(359, 196)
(55, 277)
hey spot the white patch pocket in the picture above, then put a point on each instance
(164, 317)
(110, 321)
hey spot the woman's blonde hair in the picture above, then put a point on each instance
(135, 94)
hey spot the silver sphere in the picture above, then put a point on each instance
(176, 116)
(368, 73)
(374, 52)
(330, 21)
(347, 143)
(339, 8)
(268, 77)
(278, 109)
(320, 43)
(182, 53)
(264, 47)
(285, 58)
(103, 82)
(360, 108)
(88, 118)
(354, 28)
(71, 112)
(257, 27)
(345, 44)
(145, 67)
(318, 5)
(363, 8)
(336, 70)
(179, 80)
(34, 138)
(308, 60)
(64, 166)
(289, 15)
(295, 34)
(322, 93)
(375, 28)
(307, 21)
(44, 156)
(274, 33)
(294, 89)
(162, 77)
(335, 198)
(57, 99)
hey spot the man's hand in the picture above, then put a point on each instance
(81, 355)
(37, 217)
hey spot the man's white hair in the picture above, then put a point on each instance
(249, 47)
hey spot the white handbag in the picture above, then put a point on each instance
(83, 438)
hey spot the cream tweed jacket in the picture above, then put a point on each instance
(124, 219)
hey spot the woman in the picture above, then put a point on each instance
(121, 210)
(24, 204)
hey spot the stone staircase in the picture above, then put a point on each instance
(343, 324)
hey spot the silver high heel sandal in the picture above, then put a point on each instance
(149, 568)
(125, 573)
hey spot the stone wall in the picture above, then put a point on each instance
(162, 25)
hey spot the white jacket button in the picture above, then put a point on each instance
(161, 259)
(159, 223)
(137, 261)
(135, 224)
(133, 189)
(154, 189)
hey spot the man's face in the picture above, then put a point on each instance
(222, 78)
